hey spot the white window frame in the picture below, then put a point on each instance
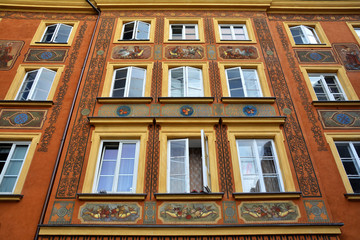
(243, 81)
(7, 162)
(355, 158)
(135, 31)
(183, 32)
(205, 162)
(186, 81)
(324, 85)
(118, 162)
(258, 164)
(35, 84)
(55, 34)
(128, 81)
(306, 37)
(357, 31)
(233, 38)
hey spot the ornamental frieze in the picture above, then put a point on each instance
(16, 118)
(184, 52)
(238, 52)
(349, 55)
(131, 52)
(340, 119)
(315, 56)
(46, 55)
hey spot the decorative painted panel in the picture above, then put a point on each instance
(131, 52)
(349, 54)
(46, 55)
(9, 51)
(110, 212)
(17, 118)
(229, 209)
(62, 212)
(238, 52)
(150, 213)
(184, 52)
(211, 51)
(189, 213)
(315, 56)
(340, 119)
(283, 211)
(316, 211)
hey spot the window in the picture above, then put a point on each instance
(136, 30)
(349, 153)
(129, 82)
(259, 166)
(188, 165)
(233, 32)
(355, 29)
(184, 32)
(117, 170)
(57, 33)
(327, 87)
(36, 85)
(12, 157)
(185, 82)
(243, 82)
(304, 35)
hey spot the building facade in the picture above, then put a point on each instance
(180, 120)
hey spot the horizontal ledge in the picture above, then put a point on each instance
(352, 196)
(189, 196)
(26, 103)
(111, 196)
(116, 120)
(255, 119)
(336, 103)
(248, 99)
(124, 100)
(273, 195)
(176, 120)
(11, 197)
(186, 99)
(193, 230)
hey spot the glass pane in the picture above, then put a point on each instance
(27, 85)
(344, 150)
(237, 93)
(118, 93)
(233, 73)
(251, 184)
(176, 31)
(7, 184)
(248, 166)
(355, 184)
(357, 148)
(20, 152)
(177, 148)
(125, 184)
(268, 166)
(128, 150)
(264, 148)
(111, 152)
(177, 166)
(105, 183)
(177, 185)
(128, 31)
(127, 166)
(108, 168)
(143, 30)
(272, 184)
(235, 84)
(350, 168)
(245, 148)
(43, 85)
(298, 35)
(137, 82)
(14, 167)
(49, 32)
(63, 33)
(4, 150)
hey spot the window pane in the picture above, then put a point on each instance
(4, 150)
(177, 185)
(49, 32)
(14, 167)
(176, 31)
(177, 83)
(44, 84)
(7, 184)
(127, 166)
(355, 184)
(143, 30)
(137, 82)
(105, 183)
(252, 83)
(63, 33)
(128, 31)
(271, 184)
(120, 82)
(125, 183)
(128, 150)
(190, 32)
(177, 148)
(344, 150)
(27, 85)
(298, 35)
(251, 184)
(108, 168)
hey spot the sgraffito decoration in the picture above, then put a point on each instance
(131, 52)
(250, 110)
(123, 111)
(16, 118)
(186, 111)
(62, 212)
(229, 209)
(158, 52)
(194, 212)
(211, 52)
(349, 54)
(313, 17)
(184, 52)
(316, 211)
(150, 212)
(303, 166)
(349, 119)
(215, 81)
(73, 162)
(238, 52)
(315, 56)
(9, 51)
(152, 160)
(110, 212)
(282, 211)
(46, 55)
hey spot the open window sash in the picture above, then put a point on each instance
(136, 30)
(57, 33)
(128, 82)
(205, 160)
(186, 82)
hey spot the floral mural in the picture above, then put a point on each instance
(238, 52)
(9, 51)
(184, 52)
(131, 52)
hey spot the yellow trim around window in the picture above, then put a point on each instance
(122, 21)
(341, 136)
(353, 25)
(260, 71)
(265, 130)
(247, 22)
(111, 67)
(41, 29)
(319, 31)
(21, 72)
(198, 21)
(200, 65)
(34, 139)
(184, 129)
(341, 75)
(128, 131)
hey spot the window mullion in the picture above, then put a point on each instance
(186, 79)
(117, 168)
(35, 83)
(357, 158)
(136, 25)
(243, 82)
(258, 163)
(183, 34)
(55, 33)
(276, 163)
(304, 35)
(127, 82)
(7, 162)
(326, 88)
(187, 168)
(233, 37)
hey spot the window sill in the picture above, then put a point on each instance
(352, 196)
(236, 41)
(134, 41)
(312, 45)
(271, 195)
(112, 196)
(28, 103)
(186, 99)
(248, 99)
(50, 44)
(336, 103)
(125, 100)
(189, 196)
(11, 197)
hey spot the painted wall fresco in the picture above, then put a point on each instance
(229, 212)
(131, 52)
(110, 212)
(238, 52)
(315, 56)
(18, 118)
(340, 119)
(284, 211)
(46, 55)
(184, 52)
(194, 212)
(316, 211)
(150, 213)
(349, 54)
(9, 51)
(62, 212)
